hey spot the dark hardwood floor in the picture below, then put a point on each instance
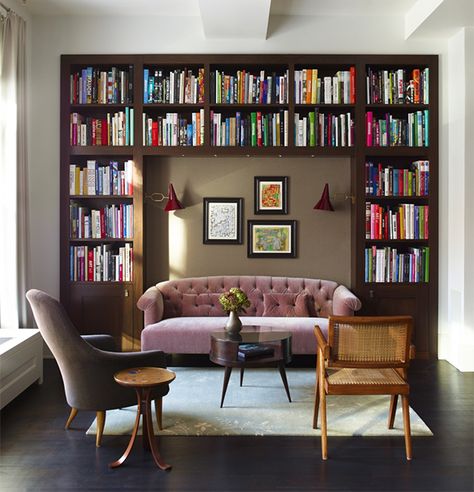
(37, 454)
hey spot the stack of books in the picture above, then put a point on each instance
(253, 350)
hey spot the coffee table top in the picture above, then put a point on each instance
(252, 334)
(138, 377)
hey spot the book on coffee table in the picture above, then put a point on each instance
(249, 350)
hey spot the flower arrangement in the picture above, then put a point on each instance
(234, 300)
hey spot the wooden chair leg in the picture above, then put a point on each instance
(316, 400)
(159, 412)
(100, 414)
(71, 417)
(406, 425)
(392, 411)
(322, 397)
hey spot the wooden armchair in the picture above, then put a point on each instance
(370, 356)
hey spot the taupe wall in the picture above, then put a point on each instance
(173, 242)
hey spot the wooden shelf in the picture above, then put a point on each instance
(419, 300)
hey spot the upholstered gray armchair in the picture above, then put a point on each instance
(87, 371)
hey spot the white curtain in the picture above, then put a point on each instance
(13, 172)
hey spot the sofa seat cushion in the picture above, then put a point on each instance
(191, 335)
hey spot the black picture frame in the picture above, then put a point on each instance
(264, 241)
(263, 194)
(222, 220)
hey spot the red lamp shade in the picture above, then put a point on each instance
(173, 202)
(324, 202)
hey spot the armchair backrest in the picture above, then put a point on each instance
(375, 341)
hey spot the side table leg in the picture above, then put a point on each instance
(281, 367)
(117, 463)
(227, 373)
(150, 436)
(242, 369)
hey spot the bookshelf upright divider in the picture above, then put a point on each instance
(269, 106)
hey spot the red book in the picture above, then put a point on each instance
(90, 265)
(102, 223)
(352, 94)
(416, 85)
(259, 129)
(369, 122)
(105, 132)
(154, 134)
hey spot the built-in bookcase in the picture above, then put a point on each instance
(379, 111)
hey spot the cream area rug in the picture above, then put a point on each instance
(261, 408)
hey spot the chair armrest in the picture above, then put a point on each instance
(101, 342)
(151, 303)
(321, 340)
(344, 302)
(412, 351)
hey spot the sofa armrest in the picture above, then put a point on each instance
(151, 303)
(345, 302)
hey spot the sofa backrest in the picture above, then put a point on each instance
(199, 296)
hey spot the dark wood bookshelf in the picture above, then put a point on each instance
(92, 303)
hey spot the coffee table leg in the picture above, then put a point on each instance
(241, 376)
(120, 461)
(281, 367)
(227, 373)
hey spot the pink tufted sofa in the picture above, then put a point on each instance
(180, 314)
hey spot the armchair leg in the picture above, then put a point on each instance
(159, 412)
(316, 401)
(406, 425)
(100, 414)
(71, 417)
(392, 410)
(322, 396)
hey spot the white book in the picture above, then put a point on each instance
(91, 177)
(286, 117)
(327, 90)
(72, 179)
(335, 90)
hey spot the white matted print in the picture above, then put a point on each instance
(222, 220)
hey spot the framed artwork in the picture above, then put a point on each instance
(271, 194)
(222, 220)
(271, 239)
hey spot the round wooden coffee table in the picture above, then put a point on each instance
(225, 352)
(144, 380)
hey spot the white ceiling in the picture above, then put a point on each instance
(249, 18)
(191, 7)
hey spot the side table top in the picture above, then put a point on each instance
(144, 376)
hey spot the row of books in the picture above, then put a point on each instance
(102, 263)
(388, 265)
(248, 88)
(254, 129)
(383, 180)
(336, 89)
(174, 130)
(114, 129)
(398, 86)
(95, 86)
(101, 179)
(179, 86)
(388, 131)
(324, 130)
(114, 221)
(403, 221)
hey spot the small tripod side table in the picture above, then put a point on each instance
(143, 380)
